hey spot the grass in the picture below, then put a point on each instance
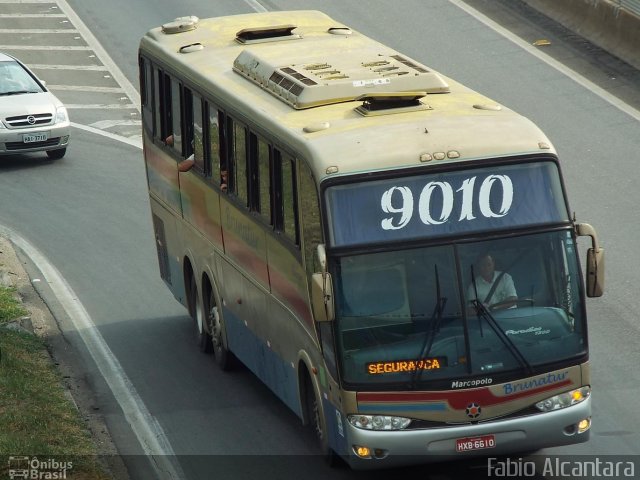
(37, 418)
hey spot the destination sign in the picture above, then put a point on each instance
(447, 203)
(398, 366)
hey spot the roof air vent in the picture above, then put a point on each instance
(181, 24)
(193, 47)
(340, 31)
(267, 34)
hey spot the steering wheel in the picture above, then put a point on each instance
(512, 303)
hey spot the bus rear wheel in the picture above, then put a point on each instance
(224, 358)
(196, 310)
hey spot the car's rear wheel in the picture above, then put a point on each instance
(56, 154)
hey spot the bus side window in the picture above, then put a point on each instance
(227, 150)
(259, 177)
(285, 193)
(162, 96)
(239, 180)
(264, 179)
(193, 132)
(215, 142)
(146, 94)
(311, 230)
(176, 116)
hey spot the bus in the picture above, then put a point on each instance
(327, 209)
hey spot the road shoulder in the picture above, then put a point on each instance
(42, 323)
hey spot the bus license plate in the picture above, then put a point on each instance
(34, 137)
(475, 443)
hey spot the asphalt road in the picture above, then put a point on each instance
(88, 216)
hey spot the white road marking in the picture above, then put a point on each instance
(30, 15)
(45, 47)
(256, 5)
(102, 54)
(101, 106)
(113, 123)
(536, 52)
(40, 66)
(86, 88)
(150, 435)
(133, 141)
(37, 30)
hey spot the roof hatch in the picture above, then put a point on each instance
(335, 79)
(387, 103)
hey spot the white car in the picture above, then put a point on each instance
(32, 119)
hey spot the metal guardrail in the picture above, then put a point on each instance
(632, 5)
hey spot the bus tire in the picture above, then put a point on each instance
(196, 311)
(317, 423)
(224, 358)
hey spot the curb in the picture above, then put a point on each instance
(603, 22)
(40, 322)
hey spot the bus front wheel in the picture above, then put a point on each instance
(318, 425)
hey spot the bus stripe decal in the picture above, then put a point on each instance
(456, 399)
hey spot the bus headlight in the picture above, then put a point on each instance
(564, 399)
(379, 422)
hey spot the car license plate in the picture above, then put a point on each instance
(475, 443)
(35, 137)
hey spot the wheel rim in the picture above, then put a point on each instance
(317, 420)
(198, 312)
(216, 330)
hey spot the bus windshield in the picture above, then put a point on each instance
(429, 314)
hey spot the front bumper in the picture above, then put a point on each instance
(11, 140)
(514, 435)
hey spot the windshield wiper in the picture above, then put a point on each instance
(17, 92)
(430, 334)
(483, 312)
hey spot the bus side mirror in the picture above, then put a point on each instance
(322, 297)
(595, 261)
(595, 272)
(322, 290)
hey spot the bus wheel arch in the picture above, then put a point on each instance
(313, 414)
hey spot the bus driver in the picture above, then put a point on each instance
(494, 289)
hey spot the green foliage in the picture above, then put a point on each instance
(36, 416)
